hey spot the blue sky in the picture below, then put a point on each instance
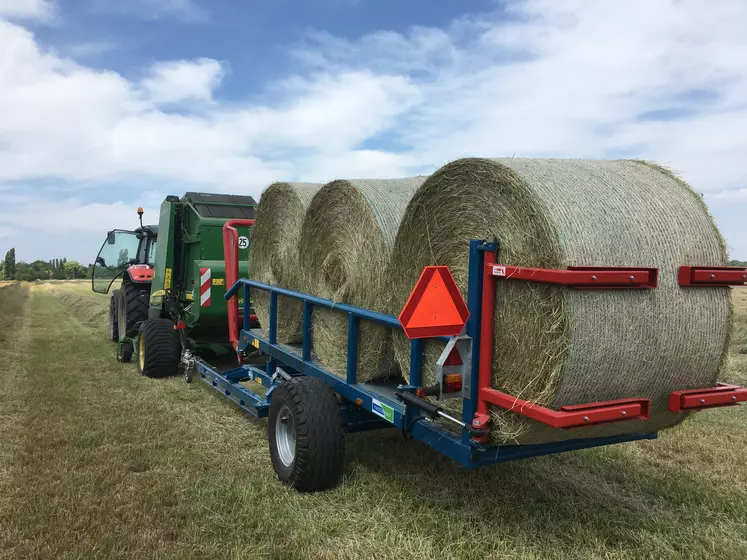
(106, 105)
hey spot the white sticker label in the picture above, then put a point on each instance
(383, 410)
(499, 270)
(243, 242)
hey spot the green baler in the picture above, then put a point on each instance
(173, 279)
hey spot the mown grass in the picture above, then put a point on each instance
(96, 461)
(12, 300)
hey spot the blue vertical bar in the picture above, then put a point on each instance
(270, 366)
(273, 317)
(352, 348)
(474, 304)
(307, 310)
(416, 362)
(247, 309)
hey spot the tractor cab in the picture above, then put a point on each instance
(125, 251)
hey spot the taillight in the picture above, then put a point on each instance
(452, 383)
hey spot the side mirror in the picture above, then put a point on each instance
(101, 261)
(111, 238)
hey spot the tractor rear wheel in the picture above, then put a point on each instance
(113, 321)
(159, 348)
(133, 305)
(304, 429)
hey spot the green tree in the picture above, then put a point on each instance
(58, 273)
(74, 270)
(9, 265)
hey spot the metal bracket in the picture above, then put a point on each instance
(697, 399)
(188, 361)
(280, 372)
(581, 277)
(571, 416)
(463, 346)
(712, 276)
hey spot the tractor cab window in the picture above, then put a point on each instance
(119, 251)
(151, 256)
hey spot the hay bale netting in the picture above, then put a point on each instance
(555, 346)
(346, 242)
(273, 257)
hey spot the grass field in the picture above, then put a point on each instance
(99, 462)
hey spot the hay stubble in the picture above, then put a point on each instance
(555, 346)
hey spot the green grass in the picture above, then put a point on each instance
(98, 462)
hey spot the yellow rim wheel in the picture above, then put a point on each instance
(141, 353)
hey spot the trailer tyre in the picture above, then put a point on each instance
(113, 319)
(159, 348)
(133, 305)
(307, 442)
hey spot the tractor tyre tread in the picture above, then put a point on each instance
(135, 302)
(320, 439)
(162, 349)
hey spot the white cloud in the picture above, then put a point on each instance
(736, 195)
(70, 227)
(43, 10)
(66, 121)
(185, 10)
(181, 80)
(665, 80)
(90, 48)
(573, 78)
(72, 215)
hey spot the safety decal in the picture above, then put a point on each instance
(205, 284)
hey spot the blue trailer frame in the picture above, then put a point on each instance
(373, 405)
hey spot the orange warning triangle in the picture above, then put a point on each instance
(436, 307)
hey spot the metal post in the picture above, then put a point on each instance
(247, 309)
(416, 362)
(353, 322)
(307, 310)
(271, 366)
(273, 317)
(474, 304)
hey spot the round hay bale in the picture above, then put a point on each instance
(273, 257)
(557, 346)
(346, 241)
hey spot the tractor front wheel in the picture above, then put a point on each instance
(159, 348)
(124, 351)
(304, 429)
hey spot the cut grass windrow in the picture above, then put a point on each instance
(99, 462)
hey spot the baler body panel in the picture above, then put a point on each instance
(164, 266)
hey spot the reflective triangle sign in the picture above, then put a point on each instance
(435, 306)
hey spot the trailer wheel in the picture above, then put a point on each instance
(159, 349)
(307, 442)
(133, 305)
(113, 320)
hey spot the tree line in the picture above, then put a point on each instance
(63, 269)
(56, 269)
